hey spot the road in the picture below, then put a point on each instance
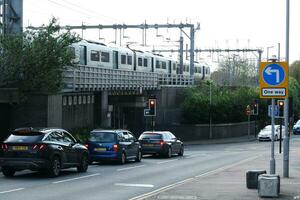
(113, 181)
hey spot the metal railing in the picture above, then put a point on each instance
(87, 78)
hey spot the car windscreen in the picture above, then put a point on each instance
(102, 137)
(151, 136)
(21, 138)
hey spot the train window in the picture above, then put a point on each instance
(129, 60)
(174, 66)
(123, 59)
(95, 55)
(157, 64)
(145, 62)
(188, 68)
(140, 62)
(104, 57)
(164, 65)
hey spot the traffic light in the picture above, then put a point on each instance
(280, 104)
(255, 108)
(152, 106)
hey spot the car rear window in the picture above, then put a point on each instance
(152, 136)
(102, 137)
(21, 138)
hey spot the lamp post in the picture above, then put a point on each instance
(268, 52)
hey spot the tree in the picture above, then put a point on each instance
(235, 71)
(295, 70)
(34, 60)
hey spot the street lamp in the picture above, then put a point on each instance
(268, 52)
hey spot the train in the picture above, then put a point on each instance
(97, 54)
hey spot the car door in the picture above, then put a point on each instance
(56, 139)
(70, 148)
(175, 143)
(133, 146)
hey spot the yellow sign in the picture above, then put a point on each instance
(273, 79)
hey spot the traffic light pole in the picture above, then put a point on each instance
(272, 161)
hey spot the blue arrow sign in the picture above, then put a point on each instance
(273, 74)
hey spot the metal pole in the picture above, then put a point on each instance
(248, 126)
(192, 45)
(286, 139)
(280, 136)
(278, 52)
(180, 55)
(272, 161)
(210, 113)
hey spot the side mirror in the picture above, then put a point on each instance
(79, 141)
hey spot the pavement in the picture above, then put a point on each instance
(229, 182)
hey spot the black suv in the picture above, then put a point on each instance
(42, 149)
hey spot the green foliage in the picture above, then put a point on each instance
(294, 91)
(295, 70)
(34, 60)
(228, 104)
(81, 133)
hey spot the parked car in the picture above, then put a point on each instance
(266, 133)
(42, 149)
(113, 145)
(161, 143)
(296, 128)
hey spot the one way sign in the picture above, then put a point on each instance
(273, 80)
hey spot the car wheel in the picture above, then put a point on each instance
(181, 151)
(54, 169)
(138, 156)
(8, 172)
(122, 159)
(84, 164)
(169, 152)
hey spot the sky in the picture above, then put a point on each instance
(223, 23)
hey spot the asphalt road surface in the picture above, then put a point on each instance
(113, 181)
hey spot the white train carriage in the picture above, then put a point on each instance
(93, 54)
(162, 64)
(144, 61)
(123, 58)
(186, 68)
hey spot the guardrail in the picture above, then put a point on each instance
(87, 78)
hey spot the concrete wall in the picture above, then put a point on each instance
(201, 132)
(77, 110)
(31, 112)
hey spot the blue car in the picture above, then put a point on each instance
(113, 145)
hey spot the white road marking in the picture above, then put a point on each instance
(157, 191)
(13, 190)
(128, 168)
(73, 179)
(167, 161)
(134, 185)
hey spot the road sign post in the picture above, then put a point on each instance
(273, 84)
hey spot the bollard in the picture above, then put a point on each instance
(252, 178)
(268, 185)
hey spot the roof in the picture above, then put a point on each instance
(156, 132)
(36, 129)
(109, 130)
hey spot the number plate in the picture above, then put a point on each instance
(100, 149)
(20, 148)
(148, 145)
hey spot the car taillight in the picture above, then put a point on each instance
(39, 146)
(4, 146)
(86, 145)
(115, 147)
(162, 143)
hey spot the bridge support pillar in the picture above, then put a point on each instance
(105, 115)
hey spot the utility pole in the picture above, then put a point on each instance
(11, 16)
(286, 139)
